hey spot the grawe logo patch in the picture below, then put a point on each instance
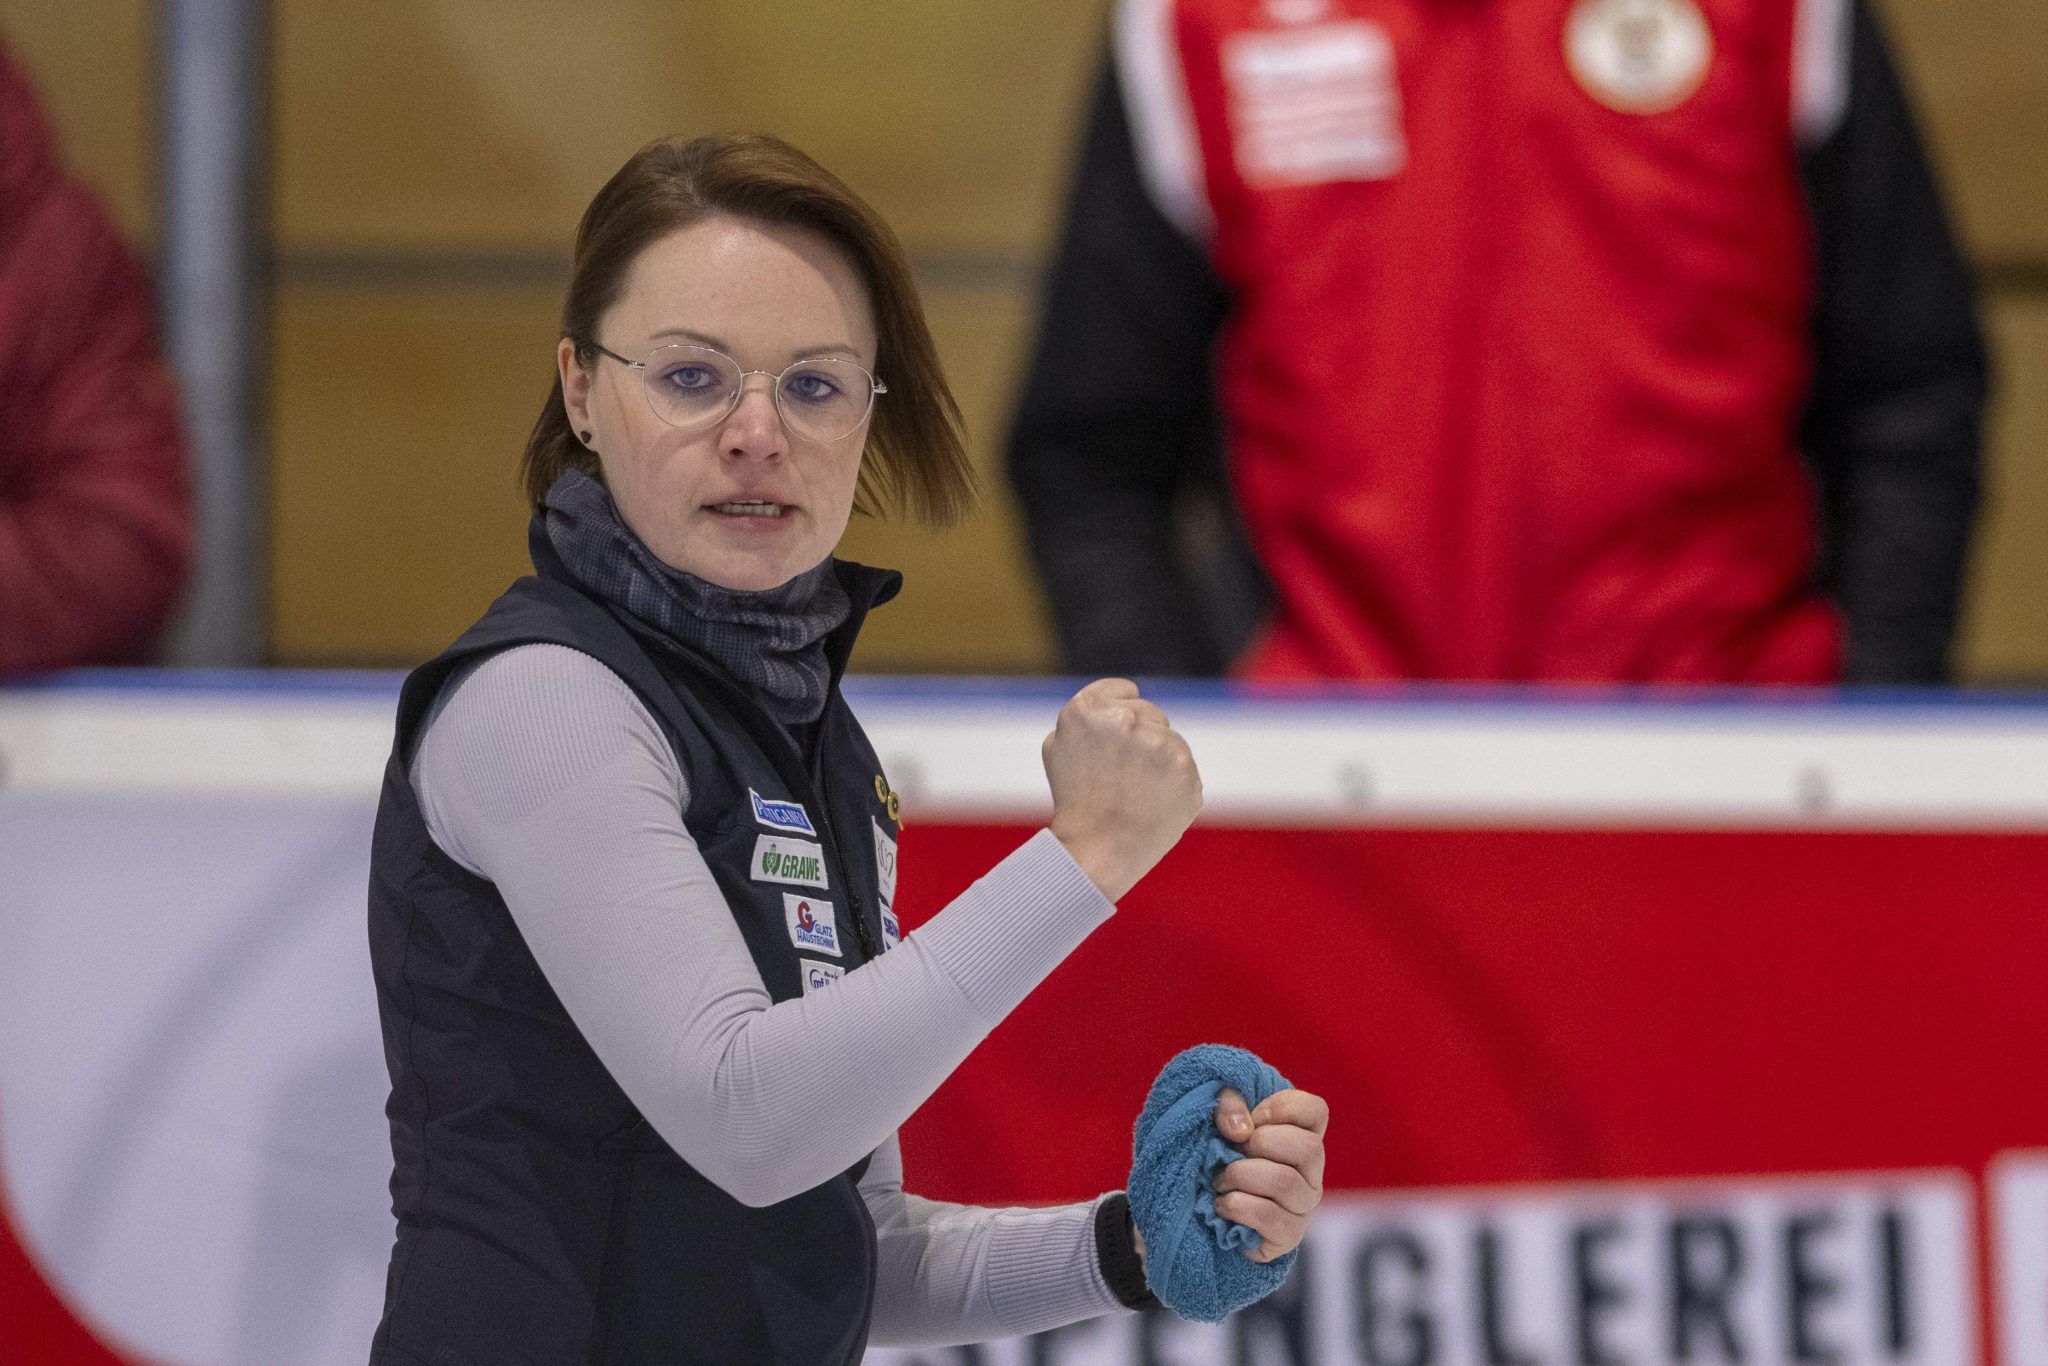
(812, 923)
(777, 859)
(789, 816)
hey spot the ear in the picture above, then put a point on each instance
(575, 389)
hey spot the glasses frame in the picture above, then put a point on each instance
(646, 369)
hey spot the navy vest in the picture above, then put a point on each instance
(541, 1220)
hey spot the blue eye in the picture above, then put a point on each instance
(812, 386)
(690, 379)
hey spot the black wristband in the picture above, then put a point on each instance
(1116, 1248)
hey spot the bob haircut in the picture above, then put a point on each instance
(915, 459)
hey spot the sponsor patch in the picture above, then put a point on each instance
(789, 816)
(812, 924)
(818, 976)
(1313, 105)
(777, 859)
(885, 865)
(892, 931)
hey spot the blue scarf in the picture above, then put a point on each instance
(772, 641)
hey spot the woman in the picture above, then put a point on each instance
(650, 1024)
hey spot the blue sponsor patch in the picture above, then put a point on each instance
(789, 816)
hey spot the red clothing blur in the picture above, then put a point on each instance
(94, 519)
(1524, 406)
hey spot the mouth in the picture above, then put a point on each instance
(749, 507)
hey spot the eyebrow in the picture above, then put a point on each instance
(804, 353)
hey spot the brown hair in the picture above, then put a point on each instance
(916, 460)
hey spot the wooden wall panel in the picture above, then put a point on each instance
(414, 123)
(93, 69)
(2004, 636)
(955, 119)
(397, 421)
(1980, 74)
(445, 125)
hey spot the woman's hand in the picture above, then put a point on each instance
(1279, 1182)
(1124, 785)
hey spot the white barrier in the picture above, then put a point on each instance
(190, 1072)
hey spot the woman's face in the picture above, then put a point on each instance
(766, 295)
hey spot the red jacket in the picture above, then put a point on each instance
(1549, 429)
(94, 519)
(1532, 325)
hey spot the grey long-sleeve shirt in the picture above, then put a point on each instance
(541, 771)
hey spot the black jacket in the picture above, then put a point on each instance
(540, 1219)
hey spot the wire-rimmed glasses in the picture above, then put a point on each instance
(693, 388)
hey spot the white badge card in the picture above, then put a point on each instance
(885, 865)
(812, 922)
(1314, 105)
(818, 976)
(777, 859)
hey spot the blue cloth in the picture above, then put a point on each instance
(1194, 1257)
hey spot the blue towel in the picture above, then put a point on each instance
(1194, 1257)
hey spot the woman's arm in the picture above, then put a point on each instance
(962, 1273)
(543, 773)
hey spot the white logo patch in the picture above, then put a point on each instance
(892, 931)
(1314, 105)
(885, 864)
(789, 816)
(812, 924)
(1638, 56)
(818, 976)
(778, 859)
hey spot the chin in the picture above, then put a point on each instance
(748, 576)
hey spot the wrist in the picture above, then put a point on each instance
(1094, 858)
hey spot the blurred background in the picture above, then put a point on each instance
(427, 169)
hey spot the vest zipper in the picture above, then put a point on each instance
(821, 790)
(817, 787)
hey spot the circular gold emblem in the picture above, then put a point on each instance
(1638, 56)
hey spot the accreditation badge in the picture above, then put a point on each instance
(1638, 56)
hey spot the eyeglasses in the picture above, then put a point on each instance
(693, 388)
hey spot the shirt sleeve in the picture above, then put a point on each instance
(1117, 424)
(545, 774)
(952, 1274)
(1893, 427)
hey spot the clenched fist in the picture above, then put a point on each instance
(1124, 785)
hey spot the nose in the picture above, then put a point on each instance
(753, 429)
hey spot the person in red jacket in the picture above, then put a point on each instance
(1596, 340)
(94, 515)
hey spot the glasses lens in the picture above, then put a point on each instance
(823, 400)
(691, 386)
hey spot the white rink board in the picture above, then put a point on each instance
(971, 751)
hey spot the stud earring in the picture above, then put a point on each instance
(585, 436)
